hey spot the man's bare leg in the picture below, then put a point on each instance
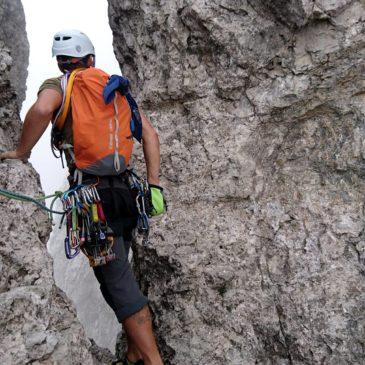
(133, 354)
(139, 330)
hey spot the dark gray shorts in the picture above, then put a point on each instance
(118, 284)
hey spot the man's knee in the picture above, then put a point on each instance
(142, 317)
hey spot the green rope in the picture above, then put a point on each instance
(17, 196)
(57, 194)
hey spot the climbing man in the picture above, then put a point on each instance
(74, 51)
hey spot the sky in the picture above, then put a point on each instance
(43, 19)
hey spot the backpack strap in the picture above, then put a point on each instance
(136, 121)
(60, 119)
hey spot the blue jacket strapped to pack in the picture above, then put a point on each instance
(121, 84)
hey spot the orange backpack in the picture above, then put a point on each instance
(102, 137)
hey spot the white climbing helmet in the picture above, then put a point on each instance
(72, 43)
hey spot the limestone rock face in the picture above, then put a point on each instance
(38, 323)
(12, 32)
(260, 110)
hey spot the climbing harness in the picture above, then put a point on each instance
(86, 226)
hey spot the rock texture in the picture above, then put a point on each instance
(260, 109)
(12, 32)
(38, 323)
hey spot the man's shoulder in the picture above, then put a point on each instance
(51, 83)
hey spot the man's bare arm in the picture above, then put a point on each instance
(151, 150)
(35, 123)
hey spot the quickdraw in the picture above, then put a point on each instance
(86, 226)
(141, 189)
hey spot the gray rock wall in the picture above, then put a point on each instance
(12, 32)
(260, 109)
(38, 323)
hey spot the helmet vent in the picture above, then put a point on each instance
(66, 38)
(57, 38)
